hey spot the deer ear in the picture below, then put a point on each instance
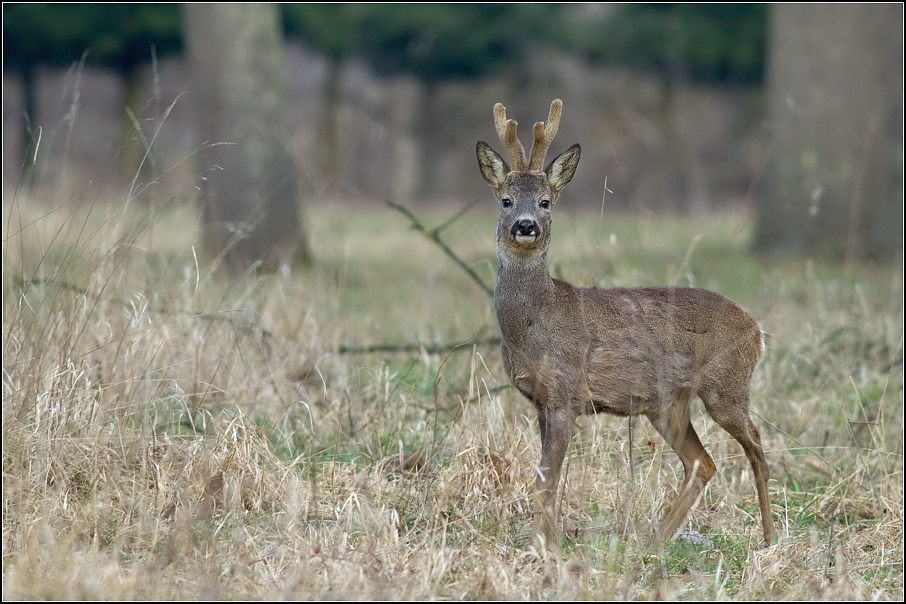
(492, 166)
(561, 170)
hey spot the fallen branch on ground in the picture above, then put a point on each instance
(428, 348)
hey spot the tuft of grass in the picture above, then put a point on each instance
(170, 433)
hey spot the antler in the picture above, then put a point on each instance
(506, 130)
(544, 135)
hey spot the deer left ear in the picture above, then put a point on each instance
(562, 169)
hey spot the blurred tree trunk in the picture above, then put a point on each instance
(406, 161)
(329, 127)
(30, 137)
(249, 187)
(429, 138)
(834, 184)
(132, 150)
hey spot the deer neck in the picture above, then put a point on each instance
(524, 287)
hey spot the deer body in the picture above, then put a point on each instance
(642, 351)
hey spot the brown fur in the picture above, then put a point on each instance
(642, 351)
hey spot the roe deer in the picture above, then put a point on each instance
(644, 351)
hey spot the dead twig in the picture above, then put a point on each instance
(434, 235)
(430, 349)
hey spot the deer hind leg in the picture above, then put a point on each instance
(731, 412)
(676, 428)
(556, 431)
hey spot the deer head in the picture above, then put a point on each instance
(526, 193)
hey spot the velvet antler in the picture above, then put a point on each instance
(506, 130)
(544, 135)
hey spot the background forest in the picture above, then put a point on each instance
(677, 107)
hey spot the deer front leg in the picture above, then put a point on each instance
(556, 431)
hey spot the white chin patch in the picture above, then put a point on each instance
(526, 239)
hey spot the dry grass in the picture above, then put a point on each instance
(169, 433)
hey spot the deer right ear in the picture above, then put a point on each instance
(561, 170)
(492, 166)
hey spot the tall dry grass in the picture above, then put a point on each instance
(173, 433)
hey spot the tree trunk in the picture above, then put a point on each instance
(329, 128)
(834, 185)
(407, 161)
(429, 139)
(132, 150)
(249, 187)
(30, 138)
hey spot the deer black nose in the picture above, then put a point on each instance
(524, 227)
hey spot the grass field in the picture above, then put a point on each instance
(173, 433)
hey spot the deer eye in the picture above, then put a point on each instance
(545, 203)
(506, 202)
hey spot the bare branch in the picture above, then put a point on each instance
(434, 235)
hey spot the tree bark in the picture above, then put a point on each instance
(834, 185)
(429, 138)
(249, 187)
(329, 128)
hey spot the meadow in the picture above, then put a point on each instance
(347, 431)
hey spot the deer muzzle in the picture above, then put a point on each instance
(525, 231)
